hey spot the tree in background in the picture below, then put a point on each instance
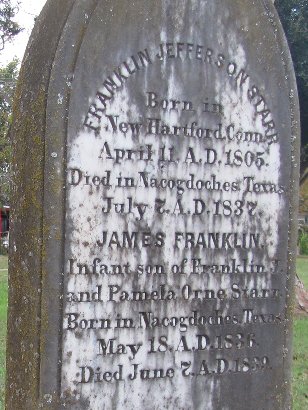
(8, 77)
(294, 18)
(8, 27)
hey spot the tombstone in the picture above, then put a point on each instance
(154, 219)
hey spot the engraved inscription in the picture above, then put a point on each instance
(172, 269)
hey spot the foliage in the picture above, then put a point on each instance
(8, 27)
(294, 18)
(8, 76)
(303, 243)
(303, 197)
(302, 269)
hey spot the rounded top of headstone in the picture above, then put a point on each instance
(165, 166)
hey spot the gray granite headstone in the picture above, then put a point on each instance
(154, 223)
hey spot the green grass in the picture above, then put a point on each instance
(3, 309)
(300, 356)
(300, 364)
(3, 262)
(302, 269)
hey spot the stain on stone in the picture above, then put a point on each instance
(157, 204)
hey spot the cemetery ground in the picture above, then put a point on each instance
(300, 354)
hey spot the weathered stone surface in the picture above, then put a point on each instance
(159, 271)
